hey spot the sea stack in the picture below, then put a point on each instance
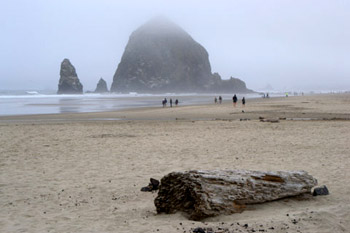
(69, 82)
(232, 85)
(101, 86)
(161, 57)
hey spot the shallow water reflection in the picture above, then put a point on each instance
(69, 105)
(48, 104)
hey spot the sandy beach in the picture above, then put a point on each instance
(83, 172)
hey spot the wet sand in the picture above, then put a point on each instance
(83, 172)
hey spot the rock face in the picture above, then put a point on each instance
(208, 193)
(101, 86)
(232, 85)
(69, 82)
(161, 57)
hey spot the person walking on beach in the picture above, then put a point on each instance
(243, 102)
(171, 102)
(234, 100)
(176, 102)
(220, 99)
(215, 100)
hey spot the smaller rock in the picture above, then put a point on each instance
(323, 190)
(199, 230)
(146, 189)
(152, 186)
(101, 86)
(155, 183)
(69, 82)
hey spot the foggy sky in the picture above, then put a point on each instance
(289, 44)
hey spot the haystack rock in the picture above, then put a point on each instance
(162, 57)
(69, 82)
(101, 86)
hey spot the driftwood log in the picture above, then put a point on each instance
(206, 193)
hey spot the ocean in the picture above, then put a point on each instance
(41, 102)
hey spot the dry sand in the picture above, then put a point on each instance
(83, 172)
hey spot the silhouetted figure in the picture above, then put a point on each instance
(171, 102)
(176, 102)
(220, 99)
(234, 100)
(215, 100)
(243, 101)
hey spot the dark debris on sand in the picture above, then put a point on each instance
(152, 186)
(291, 223)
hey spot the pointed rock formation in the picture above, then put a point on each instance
(69, 82)
(101, 86)
(160, 57)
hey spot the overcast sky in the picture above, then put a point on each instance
(289, 44)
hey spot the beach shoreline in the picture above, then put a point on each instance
(83, 172)
(57, 104)
(132, 112)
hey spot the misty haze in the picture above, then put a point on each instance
(169, 116)
(286, 46)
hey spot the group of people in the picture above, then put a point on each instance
(216, 100)
(165, 101)
(266, 96)
(234, 100)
